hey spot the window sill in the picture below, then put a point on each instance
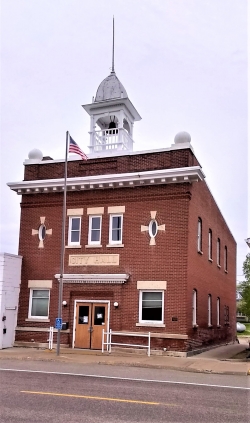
(153, 325)
(115, 245)
(73, 246)
(200, 252)
(30, 319)
(93, 246)
(219, 266)
(195, 326)
(210, 326)
(211, 260)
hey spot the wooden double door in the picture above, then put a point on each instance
(90, 320)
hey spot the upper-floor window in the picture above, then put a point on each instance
(115, 228)
(209, 310)
(218, 252)
(225, 258)
(210, 244)
(199, 238)
(74, 230)
(95, 223)
(194, 315)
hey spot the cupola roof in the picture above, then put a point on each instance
(110, 88)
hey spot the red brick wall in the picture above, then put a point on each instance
(174, 258)
(205, 276)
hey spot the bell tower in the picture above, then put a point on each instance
(112, 116)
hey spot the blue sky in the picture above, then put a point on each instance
(182, 62)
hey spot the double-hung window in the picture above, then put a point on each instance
(199, 236)
(194, 316)
(210, 245)
(225, 258)
(115, 228)
(218, 252)
(218, 311)
(39, 303)
(209, 310)
(95, 224)
(74, 230)
(151, 307)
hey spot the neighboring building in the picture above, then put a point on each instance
(240, 317)
(10, 279)
(147, 248)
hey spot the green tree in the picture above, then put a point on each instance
(245, 288)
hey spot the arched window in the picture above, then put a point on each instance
(225, 258)
(210, 244)
(199, 238)
(194, 317)
(218, 252)
(209, 310)
(218, 311)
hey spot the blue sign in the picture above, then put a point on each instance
(58, 323)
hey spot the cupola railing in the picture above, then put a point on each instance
(110, 139)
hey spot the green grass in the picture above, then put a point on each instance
(246, 332)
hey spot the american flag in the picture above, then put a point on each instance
(74, 148)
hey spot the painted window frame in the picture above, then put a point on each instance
(218, 311)
(199, 235)
(151, 322)
(210, 245)
(225, 259)
(111, 216)
(194, 308)
(72, 243)
(209, 306)
(218, 252)
(91, 217)
(30, 316)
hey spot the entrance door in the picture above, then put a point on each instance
(90, 320)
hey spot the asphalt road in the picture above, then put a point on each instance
(44, 397)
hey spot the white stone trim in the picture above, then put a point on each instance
(95, 210)
(114, 278)
(152, 285)
(163, 176)
(116, 209)
(74, 212)
(34, 284)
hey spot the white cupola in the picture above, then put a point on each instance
(112, 116)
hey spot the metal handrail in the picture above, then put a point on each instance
(114, 333)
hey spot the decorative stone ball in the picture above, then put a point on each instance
(182, 137)
(35, 154)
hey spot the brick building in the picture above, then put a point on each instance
(147, 248)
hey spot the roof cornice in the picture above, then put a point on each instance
(117, 180)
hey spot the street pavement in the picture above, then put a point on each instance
(63, 398)
(217, 360)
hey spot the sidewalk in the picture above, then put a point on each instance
(217, 360)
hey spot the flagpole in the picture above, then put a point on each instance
(60, 296)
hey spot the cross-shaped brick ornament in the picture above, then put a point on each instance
(147, 228)
(42, 231)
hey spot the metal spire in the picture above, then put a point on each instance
(113, 50)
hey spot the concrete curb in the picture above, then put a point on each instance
(194, 365)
